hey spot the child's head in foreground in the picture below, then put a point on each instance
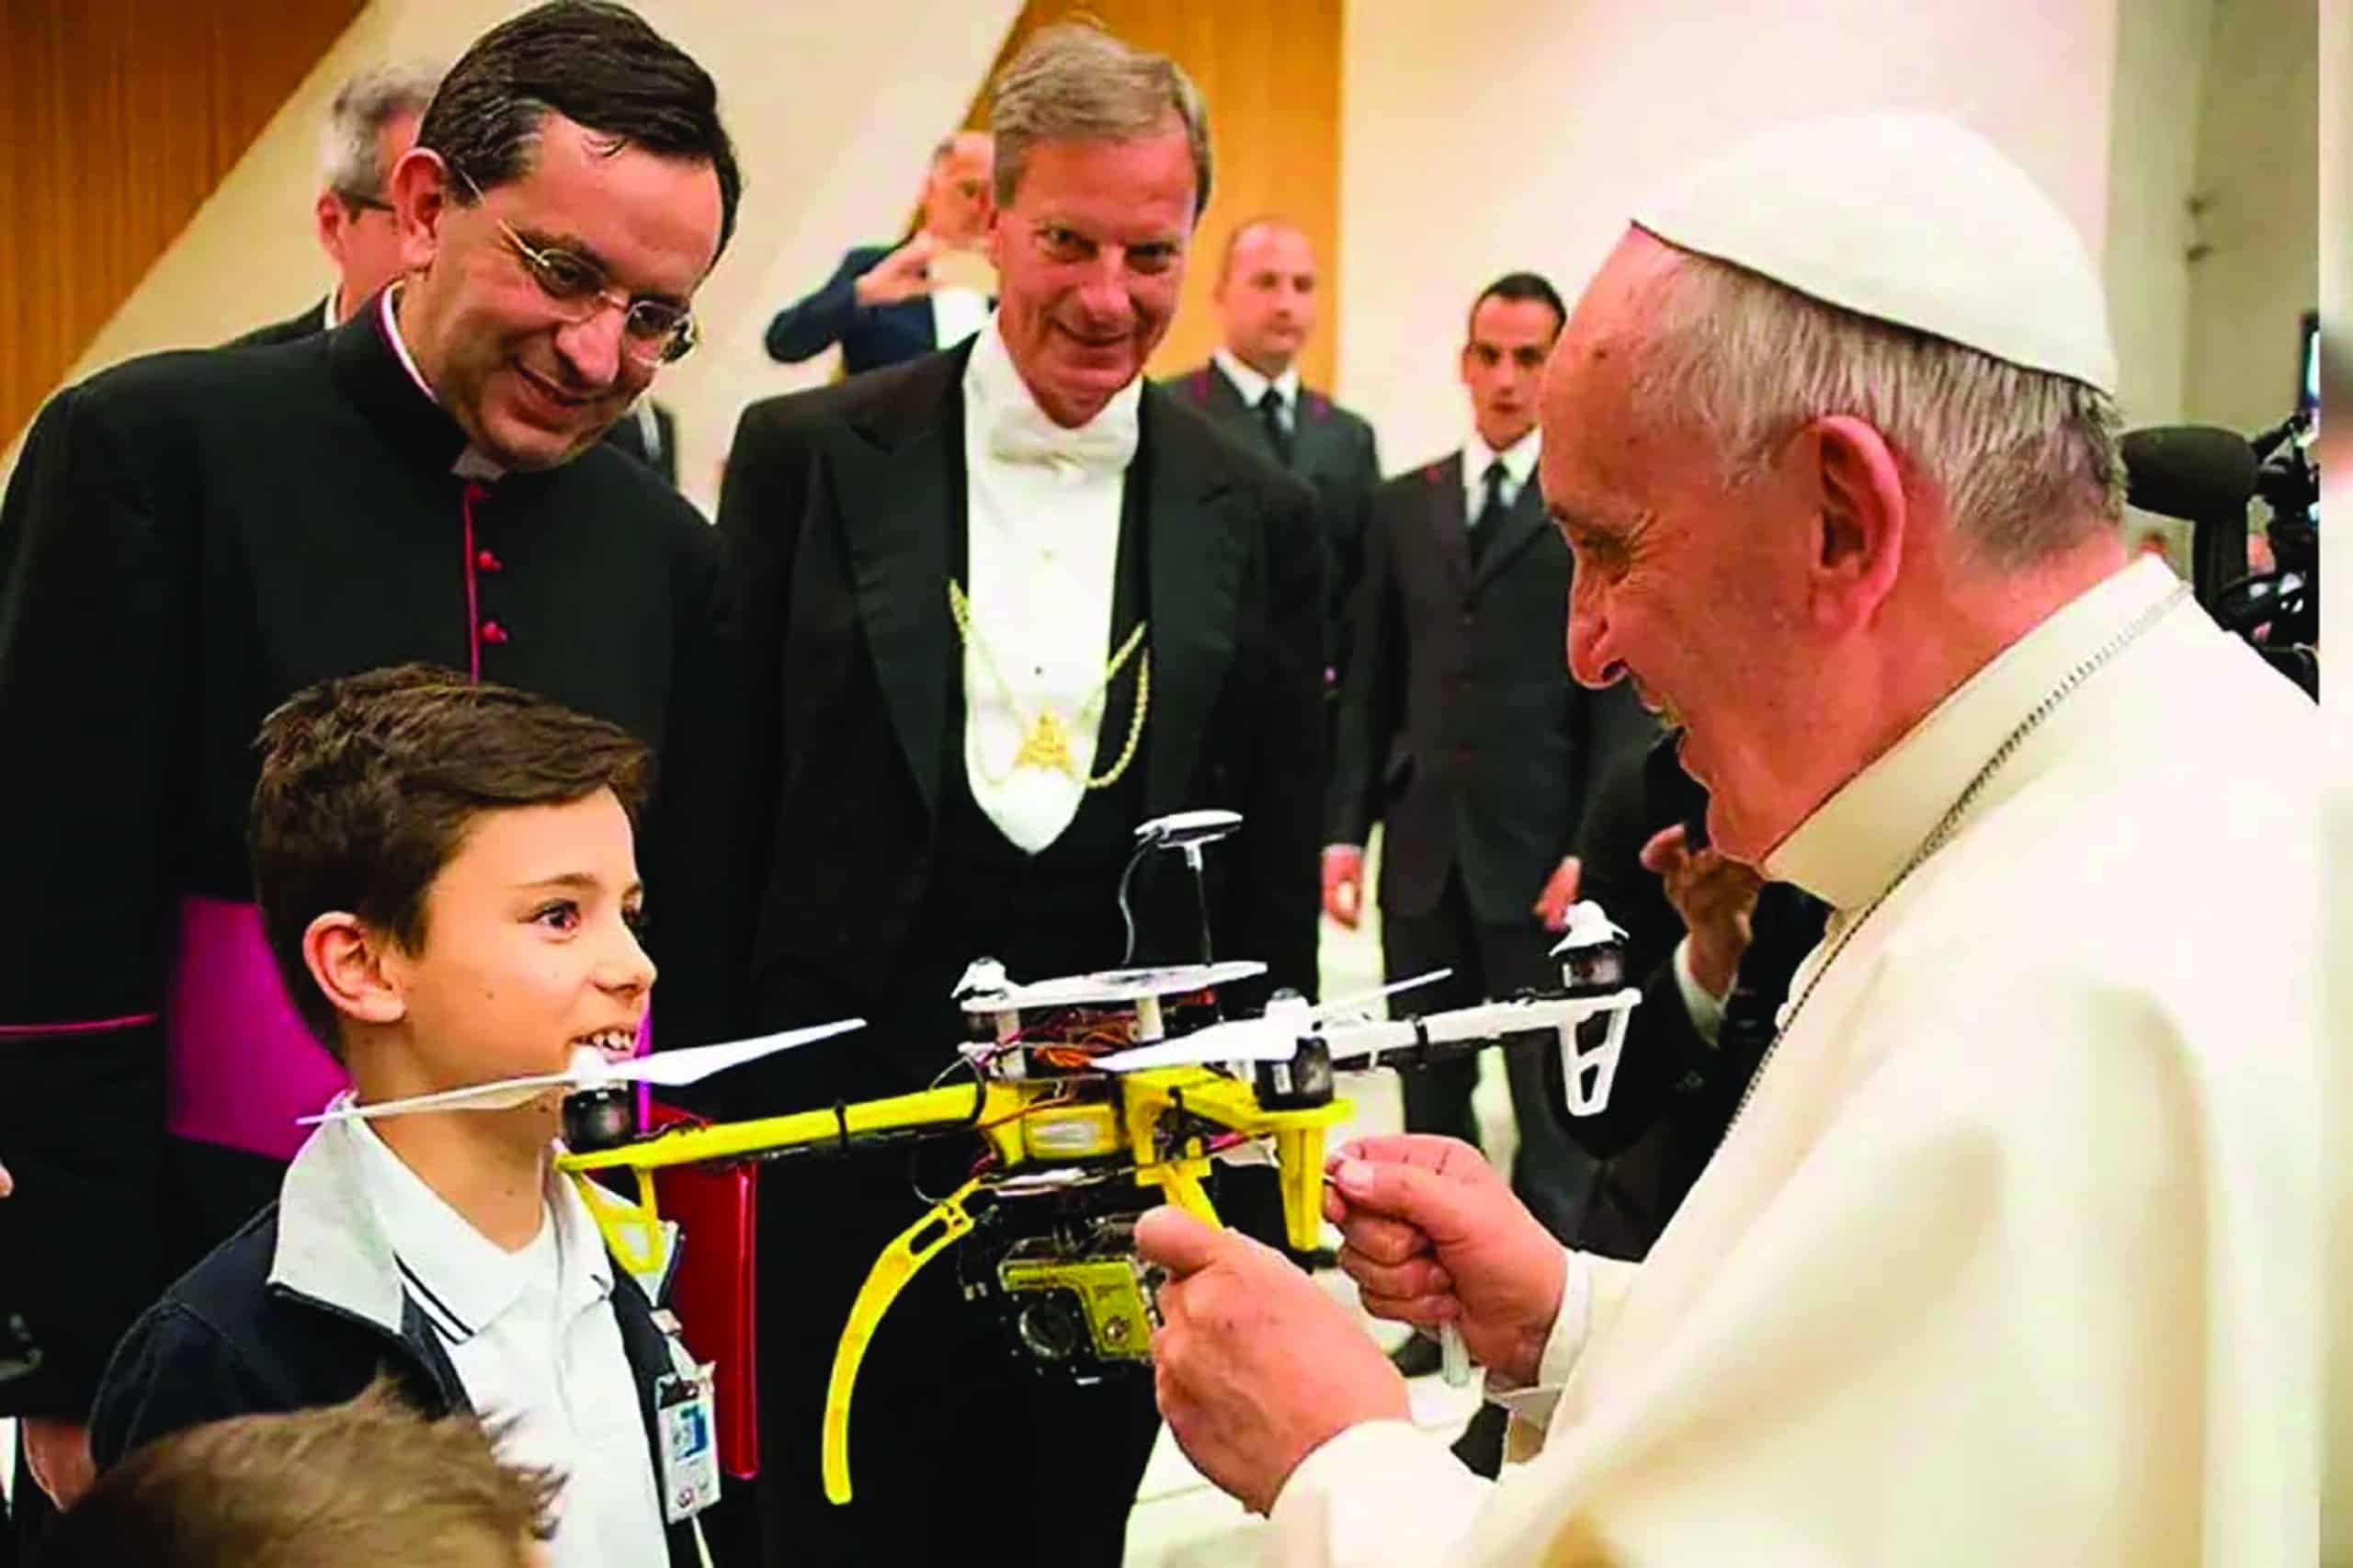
(447, 879)
(363, 1482)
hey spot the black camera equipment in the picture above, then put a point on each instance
(2206, 477)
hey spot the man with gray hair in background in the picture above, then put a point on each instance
(998, 606)
(371, 123)
(2011, 1254)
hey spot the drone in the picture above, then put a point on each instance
(1092, 1098)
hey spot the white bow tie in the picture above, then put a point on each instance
(1020, 433)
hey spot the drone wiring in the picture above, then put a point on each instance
(1060, 1097)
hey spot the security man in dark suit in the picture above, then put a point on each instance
(1267, 304)
(1462, 731)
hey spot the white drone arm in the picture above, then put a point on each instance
(1403, 1042)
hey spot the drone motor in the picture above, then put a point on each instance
(1303, 1083)
(601, 1117)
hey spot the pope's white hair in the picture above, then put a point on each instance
(2027, 462)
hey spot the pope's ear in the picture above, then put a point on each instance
(1864, 513)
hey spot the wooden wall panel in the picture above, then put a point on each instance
(117, 119)
(1271, 76)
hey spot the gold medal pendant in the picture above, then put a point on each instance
(1047, 745)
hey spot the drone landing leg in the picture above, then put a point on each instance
(1299, 1152)
(1180, 1179)
(632, 1231)
(915, 1246)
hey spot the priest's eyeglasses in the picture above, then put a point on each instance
(653, 332)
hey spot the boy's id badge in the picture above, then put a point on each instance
(683, 1408)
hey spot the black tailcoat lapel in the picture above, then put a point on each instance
(902, 500)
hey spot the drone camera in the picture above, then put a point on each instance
(1081, 1317)
(1050, 1328)
(1062, 1274)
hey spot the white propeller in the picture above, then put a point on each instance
(590, 1070)
(1273, 1037)
(1587, 927)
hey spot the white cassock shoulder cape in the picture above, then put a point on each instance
(2013, 1258)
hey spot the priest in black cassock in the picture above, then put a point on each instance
(192, 537)
(1001, 605)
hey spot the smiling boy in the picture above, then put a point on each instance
(449, 885)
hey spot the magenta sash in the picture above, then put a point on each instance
(241, 1064)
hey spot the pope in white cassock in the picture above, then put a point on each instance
(2011, 1257)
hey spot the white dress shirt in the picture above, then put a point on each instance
(1253, 386)
(1044, 551)
(2013, 1255)
(1704, 1007)
(533, 1338)
(956, 312)
(1519, 466)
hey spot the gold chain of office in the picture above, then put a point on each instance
(1045, 740)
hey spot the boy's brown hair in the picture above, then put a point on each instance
(366, 1481)
(368, 784)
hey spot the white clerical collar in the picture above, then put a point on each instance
(1856, 842)
(1518, 459)
(1253, 386)
(1019, 430)
(471, 463)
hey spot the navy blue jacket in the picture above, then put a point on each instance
(302, 1308)
(872, 336)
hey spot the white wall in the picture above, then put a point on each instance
(833, 109)
(2259, 192)
(1485, 135)
(2161, 54)
(2212, 214)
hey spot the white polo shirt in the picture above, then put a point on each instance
(534, 1340)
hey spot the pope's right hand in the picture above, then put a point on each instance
(1434, 1236)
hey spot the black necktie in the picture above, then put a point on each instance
(1270, 414)
(1492, 510)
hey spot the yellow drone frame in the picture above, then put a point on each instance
(1027, 1123)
